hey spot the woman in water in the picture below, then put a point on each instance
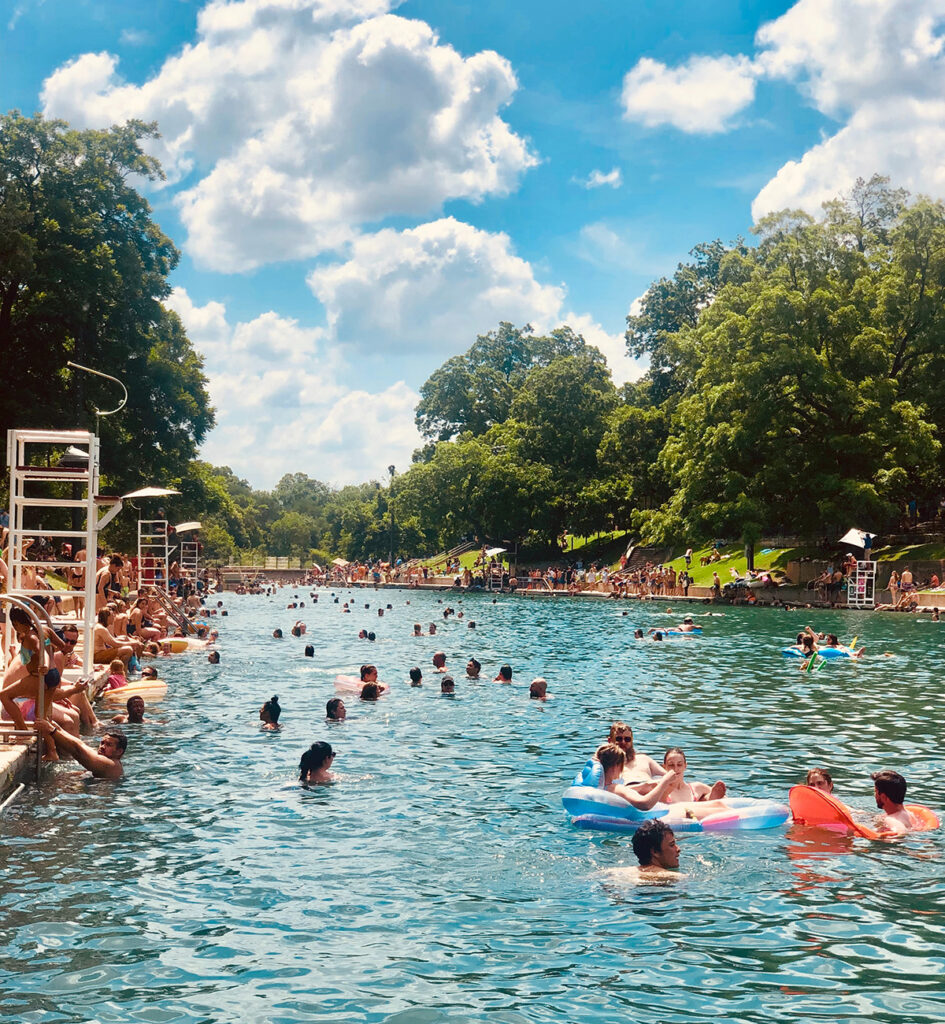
(269, 715)
(674, 760)
(315, 763)
(820, 778)
(335, 710)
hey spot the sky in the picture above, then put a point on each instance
(359, 187)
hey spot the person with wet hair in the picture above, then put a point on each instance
(134, 712)
(505, 674)
(335, 710)
(654, 844)
(820, 778)
(104, 763)
(277, 634)
(309, 651)
(473, 668)
(416, 677)
(315, 763)
(889, 789)
(439, 662)
(370, 691)
(269, 715)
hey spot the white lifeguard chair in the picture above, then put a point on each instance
(189, 551)
(154, 553)
(861, 586)
(39, 460)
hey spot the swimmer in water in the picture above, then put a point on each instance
(686, 626)
(538, 690)
(370, 691)
(473, 668)
(134, 713)
(269, 715)
(315, 763)
(889, 789)
(447, 685)
(105, 763)
(416, 677)
(417, 629)
(674, 760)
(654, 844)
(819, 778)
(439, 662)
(505, 675)
(335, 710)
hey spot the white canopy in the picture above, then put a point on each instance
(492, 552)
(854, 538)
(187, 527)
(339, 562)
(150, 492)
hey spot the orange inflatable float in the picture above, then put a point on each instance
(815, 807)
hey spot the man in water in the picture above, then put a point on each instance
(889, 789)
(505, 675)
(105, 763)
(473, 668)
(654, 844)
(134, 712)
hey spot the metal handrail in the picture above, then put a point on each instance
(41, 688)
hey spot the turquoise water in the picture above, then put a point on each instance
(440, 880)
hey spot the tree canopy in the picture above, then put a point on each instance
(83, 273)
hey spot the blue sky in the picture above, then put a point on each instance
(358, 188)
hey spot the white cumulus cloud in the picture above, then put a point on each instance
(302, 120)
(879, 69)
(701, 96)
(430, 289)
(281, 407)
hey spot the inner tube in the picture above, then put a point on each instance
(740, 814)
(828, 653)
(683, 632)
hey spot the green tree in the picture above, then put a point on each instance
(83, 273)
(474, 391)
(808, 404)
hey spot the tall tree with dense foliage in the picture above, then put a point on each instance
(83, 272)
(808, 392)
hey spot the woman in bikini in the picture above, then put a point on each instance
(674, 760)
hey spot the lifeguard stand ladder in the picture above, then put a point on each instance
(189, 559)
(37, 460)
(861, 586)
(154, 551)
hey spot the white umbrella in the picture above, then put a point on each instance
(187, 527)
(853, 538)
(150, 492)
(492, 552)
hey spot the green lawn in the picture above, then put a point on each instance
(733, 556)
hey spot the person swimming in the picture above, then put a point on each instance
(416, 677)
(315, 763)
(335, 710)
(889, 790)
(820, 778)
(269, 715)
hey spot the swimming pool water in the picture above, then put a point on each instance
(440, 879)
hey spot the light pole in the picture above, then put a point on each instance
(390, 507)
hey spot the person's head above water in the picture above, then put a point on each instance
(277, 634)
(473, 668)
(270, 711)
(538, 689)
(149, 672)
(505, 674)
(447, 685)
(368, 673)
(889, 788)
(370, 691)
(214, 657)
(335, 710)
(318, 756)
(439, 660)
(819, 778)
(135, 708)
(416, 677)
(655, 845)
(309, 651)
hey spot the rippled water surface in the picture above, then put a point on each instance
(440, 879)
